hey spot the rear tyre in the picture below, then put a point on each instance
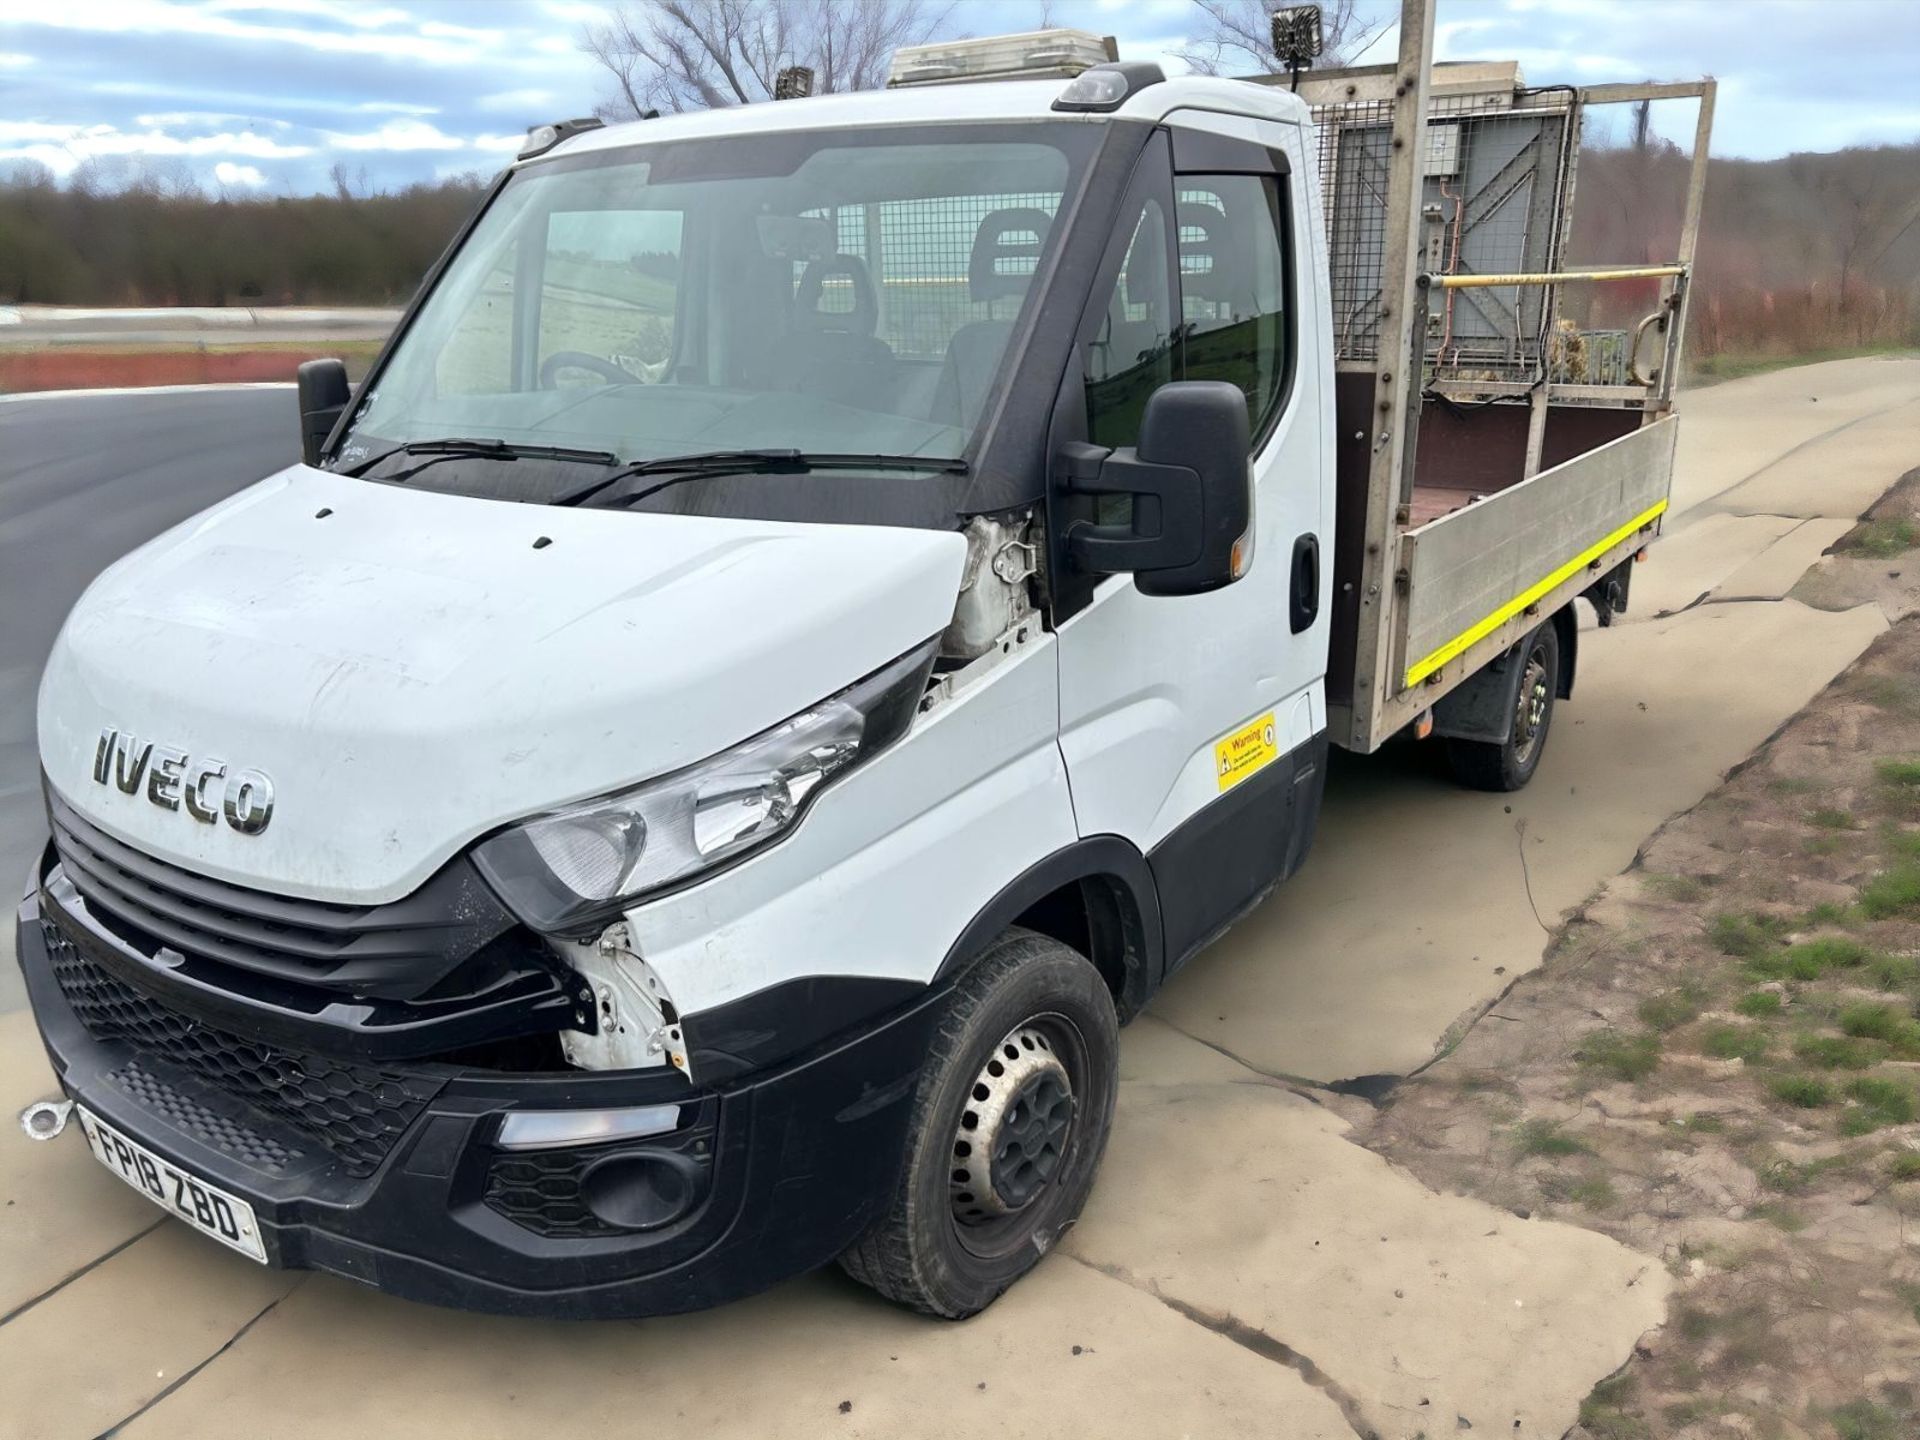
(1009, 1122)
(1509, 764)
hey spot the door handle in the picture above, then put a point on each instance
(1303, 603)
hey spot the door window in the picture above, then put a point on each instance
(1131, 354)
(1235, 324)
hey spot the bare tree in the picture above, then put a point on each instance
(1236, 36)
(696, 54)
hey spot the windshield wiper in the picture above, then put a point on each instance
(454, 448)
(678, 469)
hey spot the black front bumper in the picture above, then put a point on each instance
(389, 1173)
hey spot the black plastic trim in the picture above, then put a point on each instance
(1221, 862)
(397, 950)
(1108, 858)
(1207, 151)
(801, 1159)
(787, 1019)
(531, 998)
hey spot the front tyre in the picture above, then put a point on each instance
(1009, 1121)
(1509, 764)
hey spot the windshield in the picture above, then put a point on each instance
(829, 291)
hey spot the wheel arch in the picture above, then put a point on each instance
(1096, 896)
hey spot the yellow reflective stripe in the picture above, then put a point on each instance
(1467, 639)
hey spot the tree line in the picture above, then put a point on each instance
(149, 245)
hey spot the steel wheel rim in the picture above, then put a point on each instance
(1530, 709)
(1013, 1149)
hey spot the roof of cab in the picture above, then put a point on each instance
(930, 104)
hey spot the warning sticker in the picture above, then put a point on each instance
(1245, 751)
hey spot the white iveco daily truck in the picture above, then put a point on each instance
(817, 612)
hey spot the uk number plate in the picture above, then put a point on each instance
(208, 1208)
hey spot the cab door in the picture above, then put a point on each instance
(1195, 726)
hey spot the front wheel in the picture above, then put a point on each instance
(1009, 1123)
(1509, 764)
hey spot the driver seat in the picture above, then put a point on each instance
(833, 354)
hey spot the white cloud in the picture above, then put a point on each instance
(173, 119)
(228, 173)
(10, 60)
(433, 42)
(354, 12)
(396, 135)
(63, 147)
(533, 99)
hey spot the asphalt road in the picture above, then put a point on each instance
(84, 478)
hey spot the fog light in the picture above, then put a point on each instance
(554, 1129)
(643, 1191)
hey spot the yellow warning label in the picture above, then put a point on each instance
(1245, 751)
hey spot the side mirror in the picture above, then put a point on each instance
(1192, 488)
(324, 397)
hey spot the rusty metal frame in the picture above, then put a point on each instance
(1397, 368)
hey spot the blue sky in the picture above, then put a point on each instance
(267, 95)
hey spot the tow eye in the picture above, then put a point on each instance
(45, 1119)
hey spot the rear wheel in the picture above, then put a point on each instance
(1009, 1123)
(1509, 764)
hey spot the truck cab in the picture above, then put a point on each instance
(818, 611)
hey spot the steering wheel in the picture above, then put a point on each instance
(560, 360)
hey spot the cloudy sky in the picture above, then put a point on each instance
(253, 95)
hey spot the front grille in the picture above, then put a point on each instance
(187, 1115)
(540, 1191)
(354, 1113)
(398, 950)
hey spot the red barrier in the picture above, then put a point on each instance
(73, 369)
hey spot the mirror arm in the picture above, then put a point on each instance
(1165, 528)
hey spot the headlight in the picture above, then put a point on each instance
(567, 871)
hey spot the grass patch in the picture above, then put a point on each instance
(1623, 1056)
(1543, 1137)
(1884, 539)
(1744, 936)
(1868, 1020)
(1892, 892)
(1808, 1092)
(1902, 773)
(1759, 1005)
(1604, 1412)
(1681, 888)
(1671, 1009)
(1864, 1420)
(1593, 1193)
(1882, 1102)
(1735, 1042)
(1834, 1052)
(1905, 1165)
(1831, 820)
(1894, 972)
(1888, 692)
(1828, 913)
(1781, 1217)
(1810, 959)
(1705, 1123)
(1703, 370)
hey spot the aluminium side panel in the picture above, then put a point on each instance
(1521, 553)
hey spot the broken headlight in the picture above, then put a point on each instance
(570, 870)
